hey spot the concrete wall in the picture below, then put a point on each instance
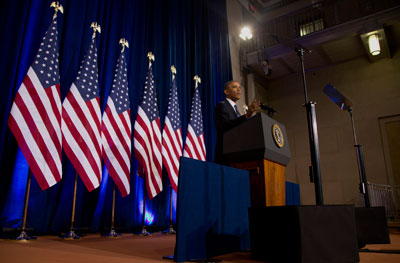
(374, 89)
(234, 13)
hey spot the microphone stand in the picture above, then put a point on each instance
(360, 162)
(312, 134)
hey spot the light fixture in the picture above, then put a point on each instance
(245, 33)
(266, 67)
(373, 43)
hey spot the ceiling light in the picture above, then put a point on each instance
(373, 43)
(245, 33)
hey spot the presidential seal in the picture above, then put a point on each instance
(278, 136)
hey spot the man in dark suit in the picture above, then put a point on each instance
(227, 115)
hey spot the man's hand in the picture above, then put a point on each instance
(253, 107)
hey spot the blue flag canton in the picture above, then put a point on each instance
(196, 120)
(173, 107)
(149, 98)
(86, 81)
(46, 62)
(119, 91)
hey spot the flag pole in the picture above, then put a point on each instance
(37, 133)
(124, 43)
(170, 230)
(71, 234)
(112, 232)
(144, 231)
(23, 236)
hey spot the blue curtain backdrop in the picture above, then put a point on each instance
(192, 35)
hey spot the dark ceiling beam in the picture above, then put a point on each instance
(322, 53)
(352, 28)
(286, 66)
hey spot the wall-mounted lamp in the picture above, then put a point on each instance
(245, 33)
(373, 44)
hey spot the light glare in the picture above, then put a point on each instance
(245, 33)
(373, 43)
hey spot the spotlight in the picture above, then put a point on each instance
(245, 33)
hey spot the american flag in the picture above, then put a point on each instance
(81, 117)
(147, 137)
(35, 116)
(116, 130)
(172, 137)
(194, 144)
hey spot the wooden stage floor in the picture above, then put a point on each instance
(135, 249)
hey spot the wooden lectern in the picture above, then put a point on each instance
(260, 146)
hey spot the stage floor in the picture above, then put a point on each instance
(135, 249)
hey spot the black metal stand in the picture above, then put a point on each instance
(313, 135)
(360, 161)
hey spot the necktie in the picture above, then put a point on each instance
(236, 110)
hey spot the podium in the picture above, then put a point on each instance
(279, 233)
(260, 146)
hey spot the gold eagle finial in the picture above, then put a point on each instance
(124, 44)
(57, 7)
(173, 71)
(197, 80)
(151, 57)
(96, 27)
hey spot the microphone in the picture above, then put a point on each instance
(271, 111)
(301, 49)
(245, 108)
